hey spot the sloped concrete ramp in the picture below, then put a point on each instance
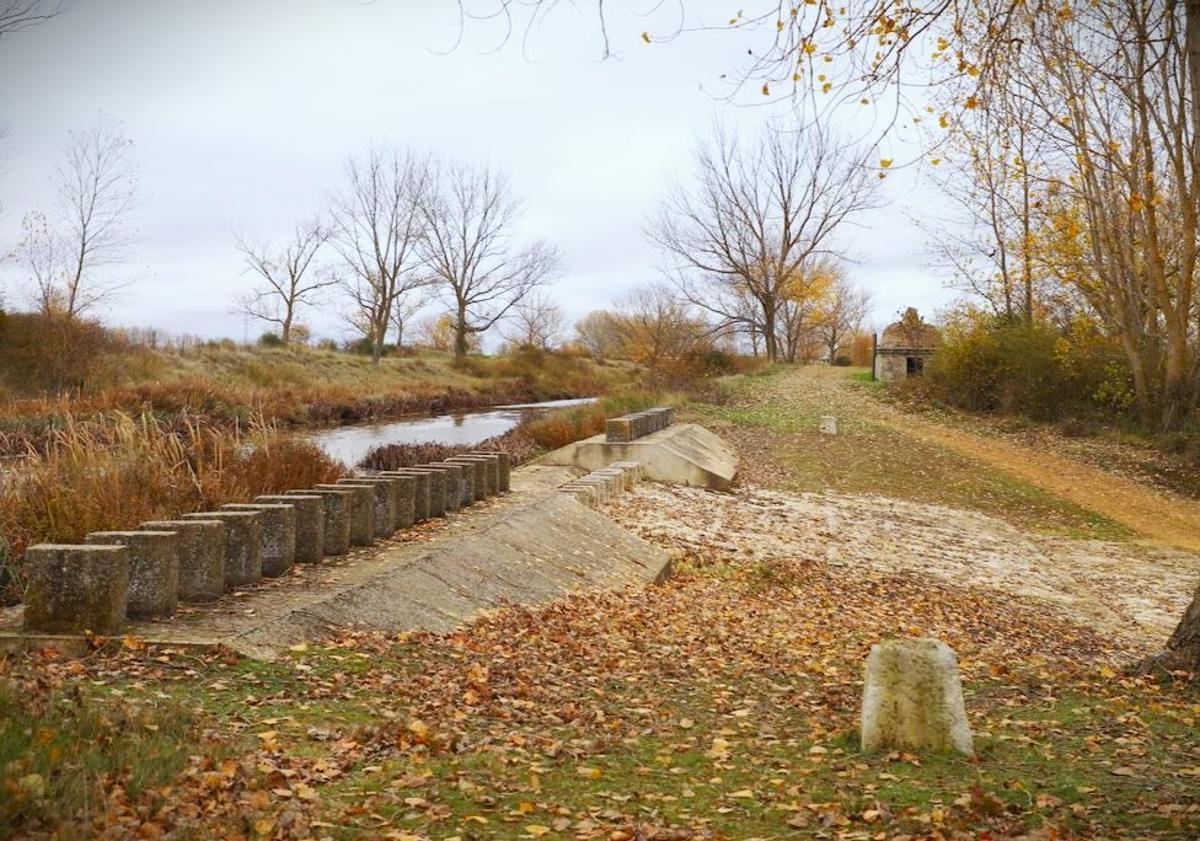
(529, 546)
(681, 454)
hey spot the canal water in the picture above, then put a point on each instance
(349, 444)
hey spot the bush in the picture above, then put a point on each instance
(842, 361)
(270, 339)
(51, 353)
(988, 365)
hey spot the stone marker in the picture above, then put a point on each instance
(310, 523)
(828, 425)
(913, 698)
(201, 557)
(278, 534)
(383, 501)
(243, 544)
(153, 569)
(478, 474)
(420, 491)
(73, 589)
(335, 530)
(362, 511)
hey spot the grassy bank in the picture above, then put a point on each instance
(298, 387)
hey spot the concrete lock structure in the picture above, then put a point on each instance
(383, 502)
(76, 589)
(420, 491)
(201, 557)
(153, 569)
(243, 544)
(476, 472)
(310, 524)
(278, 535)
(335, 506)
(362, 512)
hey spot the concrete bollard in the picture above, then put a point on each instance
(362, 512)
(829, 425)
(243, 545)
(913, 698)
(383, 511)
(310, 523)
(335, 508)
(277, 536)
(453, 474)
(420, 491)
(153, 569)
(435, 482)
(477, 471)
(632, 469)
(622, 481)
(76, 589)
(406, 492)
(490, 467)
(201, 557)
(503, 468)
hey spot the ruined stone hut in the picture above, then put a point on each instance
(904, 347)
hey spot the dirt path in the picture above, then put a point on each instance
(1165, 518)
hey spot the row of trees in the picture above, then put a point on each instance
(403, 228)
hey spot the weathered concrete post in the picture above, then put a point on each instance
(383, 502)
(453, 477)
(503, 467)
(335, 505)
(829, 425)
(477, 471)
(490, 467)
(913, 698)
(153, 569)
(406, 492)
(201, 557)
(420, 492)
(278, 536)
(73, 589)
(362, 512)
(435, 482)
(310, 523)
(243, 544)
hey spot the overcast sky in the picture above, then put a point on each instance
(243, 112)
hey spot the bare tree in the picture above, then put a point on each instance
(842, 315)
(536, 321)
(755, 215)
(657, 326)
(67, 250)
(287, 279)
(16, 15)
(597, 334)
(469, 216)
(405, 308)
(377, 226)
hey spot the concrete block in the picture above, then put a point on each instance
(243, 545)
(453, 475)
(278, 535)
(362, 512)
(632, 469)
(435, 481)
(618, 430)
(383, 509)
(913, 698)
(336, 507)
(622, 482)
(491, 469)
(478, 474)
(406, 491)
(310, 523)
(201, 557)
(73, 589)
(828, 425)
(153, 569)
(503, 468)
(420, 491)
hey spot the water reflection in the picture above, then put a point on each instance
(349, 444)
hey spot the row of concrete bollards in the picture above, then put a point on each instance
(120, 575)
(629, 427)
(600, 486)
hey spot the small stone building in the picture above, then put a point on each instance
(904, 346)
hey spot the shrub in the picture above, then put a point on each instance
(270, 339)
(842, 361)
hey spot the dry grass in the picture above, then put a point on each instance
(119, 471)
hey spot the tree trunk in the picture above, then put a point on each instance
(1183, 648)
(460, 336)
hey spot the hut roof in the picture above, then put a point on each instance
(910, 332)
